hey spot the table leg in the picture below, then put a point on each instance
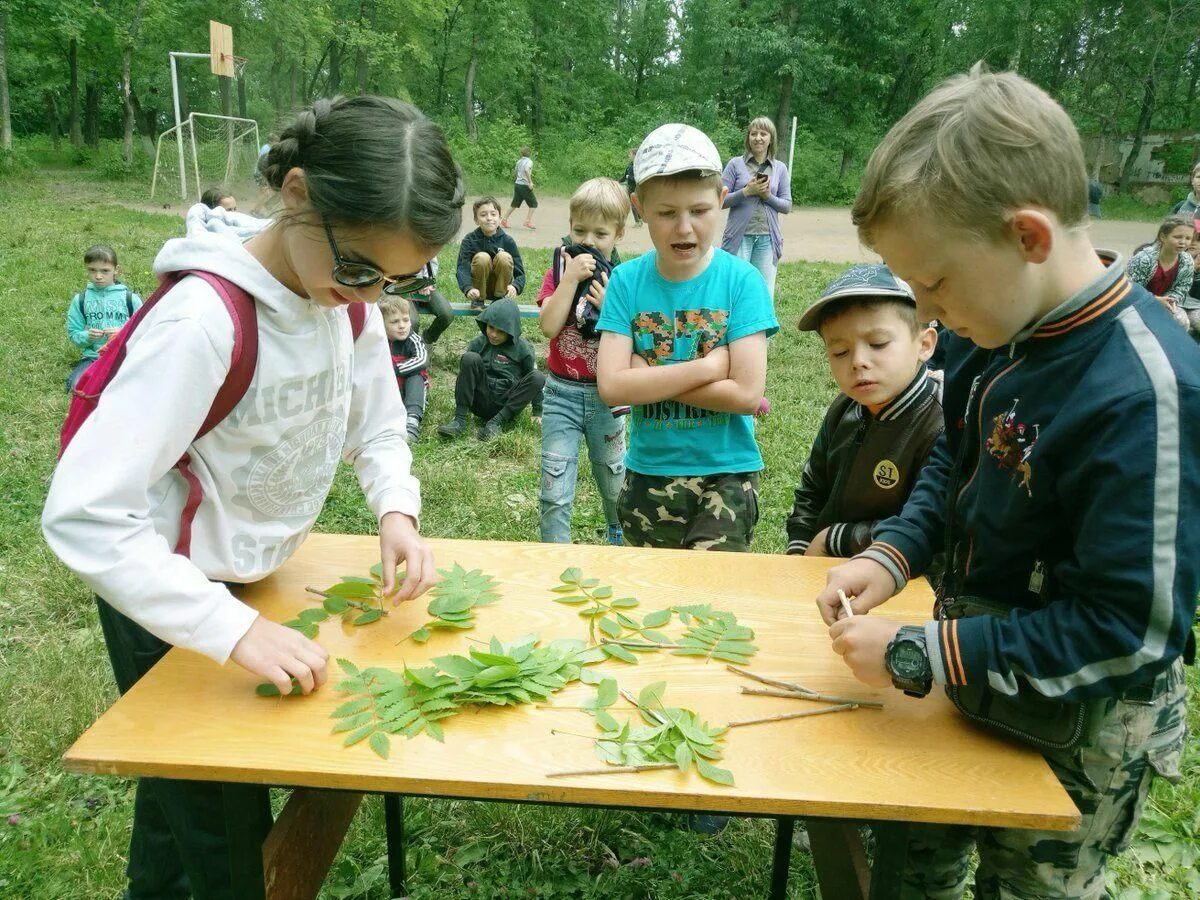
(393, 814)
(784, 828)
(839, 858)
(891, 854)
(247, 823)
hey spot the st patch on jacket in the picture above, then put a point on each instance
(1071, 467)
(862, 467)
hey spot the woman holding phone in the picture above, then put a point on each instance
(760, 188)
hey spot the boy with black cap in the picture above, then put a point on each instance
(878, 432)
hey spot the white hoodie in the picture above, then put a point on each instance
(112, 514)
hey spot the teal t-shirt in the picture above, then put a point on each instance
(676, 321)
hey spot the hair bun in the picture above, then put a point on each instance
(289, 151)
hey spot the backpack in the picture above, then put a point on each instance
(584, 315)
(82, 295)
(88, 390)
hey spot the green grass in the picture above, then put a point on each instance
(71, 832)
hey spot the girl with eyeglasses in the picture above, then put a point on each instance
(369, 194)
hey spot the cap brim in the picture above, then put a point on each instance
(810, 318)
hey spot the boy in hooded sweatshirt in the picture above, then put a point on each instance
(497, 376)
(98, 311)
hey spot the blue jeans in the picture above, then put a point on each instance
(573, 411)
(757, 250)
(80, 367)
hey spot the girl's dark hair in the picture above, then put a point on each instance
(373, 161)
(213, 196)
(100, 253)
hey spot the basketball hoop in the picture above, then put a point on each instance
(239, 65)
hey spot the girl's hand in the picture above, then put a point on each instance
(280, 654)
(400, 543)
(597, 290)
(579, 268)
(755, 188)
(511, 292)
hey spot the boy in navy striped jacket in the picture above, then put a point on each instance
(1061, 489)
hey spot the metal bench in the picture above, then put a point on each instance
(528, 310)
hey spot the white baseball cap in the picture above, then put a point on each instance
(675, 148)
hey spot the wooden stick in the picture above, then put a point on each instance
(643, 645)
(651, 713)
(796, 715)
(786, 685)
(824, 698)
(613, 770)
(845, 604)
(313, 590)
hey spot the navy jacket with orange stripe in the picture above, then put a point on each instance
(1077, 499)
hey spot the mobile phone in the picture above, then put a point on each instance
(761, 176)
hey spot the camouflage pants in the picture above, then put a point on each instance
(1107, 776)
(706, 512)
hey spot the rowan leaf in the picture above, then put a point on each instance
(616, 651)
(656, 619)
(380, 744)
(570, 576)
(683, 756)
(355, 736)
(606, 692)
(421, 635)
(651, 695)
(610, 627)
(573, 599)
(350, 707)
(713, 773)
(371, 615)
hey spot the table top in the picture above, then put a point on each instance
(914, 760)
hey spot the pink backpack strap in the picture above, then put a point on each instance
(358, 318)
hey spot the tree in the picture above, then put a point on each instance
(5, 109)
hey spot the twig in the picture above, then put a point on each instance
(786, 685)
(651, 713)
(796, 715)
(641, 645)
(845, 604)
(613, 770)
(313, 590)
(824, 698)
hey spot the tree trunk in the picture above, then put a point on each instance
(1018, 51)
(448, 25)
(147, 123)
(362, 70)
(5, 111)
(276, 67)
(847, 156)
(1195, 73)
(293, 77)
(241, 92)
(783, 109)
(91, 112)
(335, 68)
(126, 77)
(75, 124)
(469, 90)
(1143, 126)
(52, 119)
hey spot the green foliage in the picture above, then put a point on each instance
(454, 600)
(714, 635)
(358, 600)
(385, 702)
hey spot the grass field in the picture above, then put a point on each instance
(65, 836)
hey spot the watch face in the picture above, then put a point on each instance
(908, 659)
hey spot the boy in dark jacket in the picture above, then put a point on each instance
(498, 376)
(489, 263)
(1063, 489)
(878, 433)
(410, 358)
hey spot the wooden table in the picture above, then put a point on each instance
(912, 761)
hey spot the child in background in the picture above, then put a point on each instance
(1064, 489)
(630, 184)
(574, 287)
(1165, 268)
(370, 192)
(409, 359)
(489, 263)
(215, 197)
(684, 341)
(878, 433)
(497, 377)
(523, 188)
(1191, 303)
(98, 311)
(430, 300)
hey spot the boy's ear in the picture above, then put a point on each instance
(1035, 233)
(926, 343)
(724, 194)
(636, 201)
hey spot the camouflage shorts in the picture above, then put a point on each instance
(1107, 776)
(706, 512)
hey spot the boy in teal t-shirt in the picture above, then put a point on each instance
(98, 311)
(684, 342)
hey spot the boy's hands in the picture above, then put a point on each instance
(399, 542)
(862, 642)
(280, 654)
(579, 268)
(511, 292)
(597, 290)
(718, 362)
(817, 546)
(472, 294)
(97, 334)
(864, 580)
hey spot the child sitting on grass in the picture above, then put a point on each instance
(489, 263)
(878, 433)
(410, 357)
(98, 311)
(1165, 268)
(497, 377)
(571, 298)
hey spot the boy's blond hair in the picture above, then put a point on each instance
(395, 303)
(603, 198)
(971, 151)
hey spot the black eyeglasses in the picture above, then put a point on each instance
(363, 275)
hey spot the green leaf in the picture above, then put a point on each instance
(616, 651)
(377, 571)
(570, 576)
(575, 598)
(355, 736)
(354, 590)
(656, 619)
(268, 689)
(335, 605)
(435, 732)
(380, 744)
(605, 720)
(651, 695)
(492, 674)
(350, 707)
(421, 635)
(590, 676)
(371, 615)
(458, 666)
(589, 582)
(683, 756)
(603, 592)
(313, 615)
(358, 721)
(609, 627)
(713, 773)
(564, 588)
(606, 692)
(309, 630)
(657, 636)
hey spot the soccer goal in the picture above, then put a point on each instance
(203, 151)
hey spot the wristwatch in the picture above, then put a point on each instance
(907, 661)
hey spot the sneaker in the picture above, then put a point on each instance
(705, 824)
(531, 226)
(453, 428)
(414, 432)
(491, 429)
(477, 304)
(616, 536)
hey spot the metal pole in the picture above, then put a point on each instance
(178, 129)
(792, 149)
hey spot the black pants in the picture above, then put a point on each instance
(412, 389)
(473, 393)
(179, 848)
(443, 315)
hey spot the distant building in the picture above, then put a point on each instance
(1165, 157)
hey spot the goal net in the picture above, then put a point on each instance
(205, 151)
